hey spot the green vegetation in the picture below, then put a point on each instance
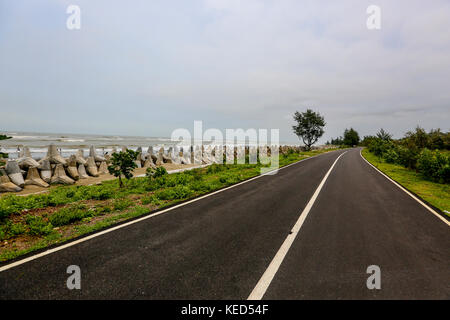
(69, 215)
(69, 211)
(309, 127)
(350, 139)
(122, 164)
(414, 152)
(153, 173)
(434, 193)
(4, 137)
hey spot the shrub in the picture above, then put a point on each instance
(122, 204)
(10, 229)
(444, 173)
(215, 168)
(178, 192)
(37, 226)
(433, 165)
(101, 210)
(391, 156)
(154, 173)
(150, 199)
(69, 215)
(407, 157)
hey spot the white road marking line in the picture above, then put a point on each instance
(97, 234)
(264, 283)
(409, 193)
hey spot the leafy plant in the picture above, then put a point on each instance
(122, 164)
(69, 215)
(154, 173)
(121, 204)
(37, 226)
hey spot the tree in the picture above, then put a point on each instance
(309, 127)
(123, 163)
(351, 137)
(337, 142)
(384, 135)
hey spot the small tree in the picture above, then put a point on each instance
(123, 163)
(351, 137)
(309, 127)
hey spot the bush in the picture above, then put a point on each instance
(407, 157)
(69, 215)
(10, 229)
(122, 204)
(154, 173)
(150, 199)
(444, 173)
(37, 226)
(391, 156)
(178, 192)
(434, 165)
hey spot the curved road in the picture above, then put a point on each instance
(219, 247)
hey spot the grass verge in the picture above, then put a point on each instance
(34, 222)
(436, 194)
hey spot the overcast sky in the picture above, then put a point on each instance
(149, 67)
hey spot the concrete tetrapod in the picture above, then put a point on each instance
(72, 169)
(91, 167)
(14, 173)
(166, 158)
(6, 185)
(174, 154)
(93, 153)
(82, 172)
(54, 157)
(25, 160)
(46, 170)
(160, 158)
(151, 154)
(79, 157)
(103, 168)
(25, 153)
(33, 178)
(60, 177)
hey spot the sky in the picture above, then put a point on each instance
(146, 68)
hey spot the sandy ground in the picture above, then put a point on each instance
(170, 167)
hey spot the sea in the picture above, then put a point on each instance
(69, 143)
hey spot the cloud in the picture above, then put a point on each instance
(230, 63)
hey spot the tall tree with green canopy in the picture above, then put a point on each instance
(309, 127)
(351, 137)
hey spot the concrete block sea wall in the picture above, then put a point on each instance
(54, 169)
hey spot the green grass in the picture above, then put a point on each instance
(109, 199)
(436, 194)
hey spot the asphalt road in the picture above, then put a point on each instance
(220, 246)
